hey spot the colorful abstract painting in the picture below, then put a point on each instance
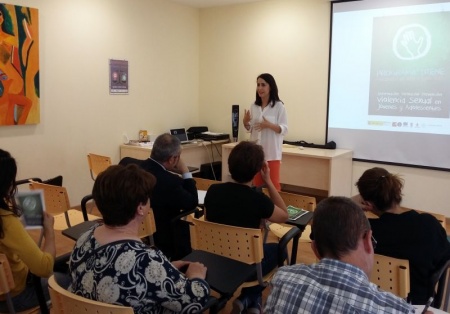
(19, 65)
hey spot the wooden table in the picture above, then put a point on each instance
(328, 171)
(76, 231)
(195, 154)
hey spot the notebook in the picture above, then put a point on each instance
(181, 135)
(33, 207)
(295, 213)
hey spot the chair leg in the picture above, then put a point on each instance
(40, 295)
(218, 306)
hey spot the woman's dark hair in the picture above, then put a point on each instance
(8, 172)
(119, 190)
(380, 187)
(273, 97)
(337, 225)
(245, 160)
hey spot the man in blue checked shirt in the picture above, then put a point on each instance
(339, 283)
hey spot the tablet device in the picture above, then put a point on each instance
(295, 213)
(33, 207)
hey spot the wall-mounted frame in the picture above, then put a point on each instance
(19, 65)
(118, 77)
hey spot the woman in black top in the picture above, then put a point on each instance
(403, 233)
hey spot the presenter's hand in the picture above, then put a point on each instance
(247, 117)
(264, 124)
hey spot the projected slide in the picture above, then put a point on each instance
(410, 66)
(389, 83)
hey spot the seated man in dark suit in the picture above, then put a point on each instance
(175, 191)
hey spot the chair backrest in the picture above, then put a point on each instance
(64, 301)
(148, 227)
(391, 274)
(56, 197)
(25, 181)
(204, 184)
(297, 200)
(7, 283)
(6, 277)
(58, 181)
(241, 244)
(97, 164)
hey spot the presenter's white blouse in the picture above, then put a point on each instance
(270, 141)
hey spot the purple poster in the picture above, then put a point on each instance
(118, 77)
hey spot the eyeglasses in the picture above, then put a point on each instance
(374, 242)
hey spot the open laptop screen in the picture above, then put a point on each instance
(180, 134)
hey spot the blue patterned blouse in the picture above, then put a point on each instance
(132, 274)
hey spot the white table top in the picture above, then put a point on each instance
(419, 309)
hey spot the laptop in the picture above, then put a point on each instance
(181, 135)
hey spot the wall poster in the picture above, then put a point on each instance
(118, 77)
(19, 65)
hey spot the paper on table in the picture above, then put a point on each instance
(201, 197)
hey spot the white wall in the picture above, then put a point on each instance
(290, 39)
(77, 38)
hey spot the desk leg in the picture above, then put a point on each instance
(295, 248)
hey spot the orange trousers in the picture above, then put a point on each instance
(274, 166)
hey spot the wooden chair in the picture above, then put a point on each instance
(391, 274)
(232, 255)
(57, 204)
(204, 184)
(7, 283)
(67, 302)
(148, 228)
(297, 200)
(97, 164)
(301, 201)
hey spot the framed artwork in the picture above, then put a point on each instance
(19, 65)
(118, 77)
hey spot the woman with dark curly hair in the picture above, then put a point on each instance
(403, 233)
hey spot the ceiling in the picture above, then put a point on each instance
(211, 3)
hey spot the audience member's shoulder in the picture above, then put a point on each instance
(427, 217)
